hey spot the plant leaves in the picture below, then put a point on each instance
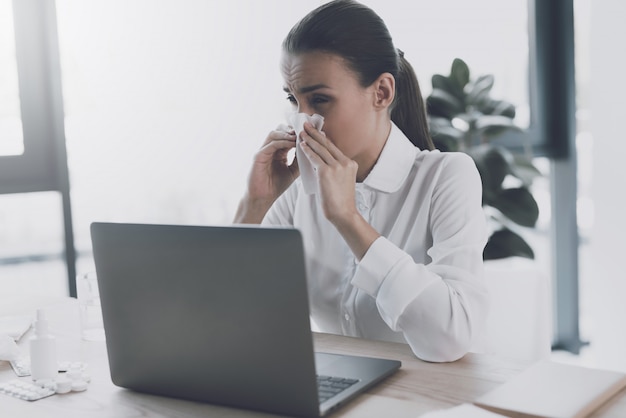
(503, 108)
(493, 165)
(437, 122)
(458, 97)
(491, 126)
(496, 107)
(506, 243)
(450, 132)
(445, 143)
(444, 83)
(478, 91)
(459, 73)
(444, 104)
(524, 169)
(447, 138)
(517, 204)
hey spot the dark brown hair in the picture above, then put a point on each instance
(358, 35)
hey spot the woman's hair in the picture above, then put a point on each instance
(358, 35)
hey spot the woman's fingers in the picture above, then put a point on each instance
(322, 146)
(276, 145)
(280, 135)
(324, 154)
(312, 155)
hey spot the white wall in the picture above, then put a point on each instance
(607, 279)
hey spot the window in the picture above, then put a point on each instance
(166, 103)
(11, 138)
(28, 156)
(33, 169)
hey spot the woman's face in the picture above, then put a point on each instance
(320, 82)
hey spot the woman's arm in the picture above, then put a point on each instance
(441, 306)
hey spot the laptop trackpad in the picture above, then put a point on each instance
(324, 361)
(340, 365)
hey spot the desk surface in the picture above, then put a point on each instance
(417, 388)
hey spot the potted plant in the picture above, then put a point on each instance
(464, 117)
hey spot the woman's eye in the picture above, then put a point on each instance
(291, 99)
(319, 100)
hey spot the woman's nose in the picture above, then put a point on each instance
(303, 108)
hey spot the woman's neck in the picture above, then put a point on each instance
(367, 160)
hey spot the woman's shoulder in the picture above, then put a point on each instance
(447, 167)
(459, 160)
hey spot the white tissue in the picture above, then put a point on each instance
(15, 326)
(9, 351)
(307, 173)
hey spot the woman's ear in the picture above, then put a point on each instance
(384, 90)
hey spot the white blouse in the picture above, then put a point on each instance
(422, 281)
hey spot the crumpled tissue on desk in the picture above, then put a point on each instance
(15, 326)
(12, 328)
(8, 349)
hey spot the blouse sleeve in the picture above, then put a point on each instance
(441, 306)
(281, 212)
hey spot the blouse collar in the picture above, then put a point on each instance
(394, 163)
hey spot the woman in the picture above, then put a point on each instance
(394, 231)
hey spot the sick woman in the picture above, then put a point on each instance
(393, 229)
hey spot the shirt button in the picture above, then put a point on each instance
(362, 207)
(347, 317)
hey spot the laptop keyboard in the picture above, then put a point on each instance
(329, 386)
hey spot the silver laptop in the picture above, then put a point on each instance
(219, 315)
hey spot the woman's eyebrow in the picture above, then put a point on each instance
(307, 89)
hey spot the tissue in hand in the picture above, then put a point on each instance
(307, 174)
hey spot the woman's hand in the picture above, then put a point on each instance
(269, 177)
(336, 174)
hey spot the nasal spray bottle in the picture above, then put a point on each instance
(43, 351)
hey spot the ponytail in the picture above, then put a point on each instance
(357, 34)
(408, 110)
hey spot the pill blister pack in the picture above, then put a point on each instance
(21, 367)
(75, 379)
(25, 390)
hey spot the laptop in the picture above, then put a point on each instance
(219, 314)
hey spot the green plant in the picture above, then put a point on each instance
(463, 117)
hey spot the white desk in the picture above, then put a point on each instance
(417, 388)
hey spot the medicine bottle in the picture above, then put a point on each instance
(43, 351)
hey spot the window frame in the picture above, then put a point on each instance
(43, 164)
